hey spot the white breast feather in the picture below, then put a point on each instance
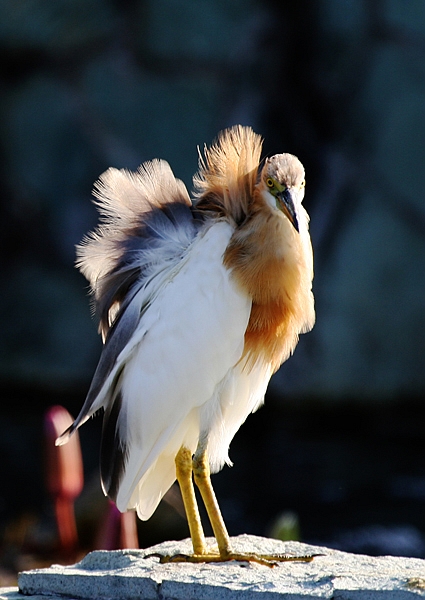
(175, 367)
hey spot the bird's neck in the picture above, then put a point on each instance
(265, 256)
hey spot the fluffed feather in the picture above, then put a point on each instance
(197, 305)
(146, 219)
(227, 174)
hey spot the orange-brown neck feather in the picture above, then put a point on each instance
(265, 256)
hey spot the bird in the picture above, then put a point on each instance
(200, 299)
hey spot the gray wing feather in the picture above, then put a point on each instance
(118, 336)
(149, 222)
(163, 235)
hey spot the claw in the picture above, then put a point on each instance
(268, 560)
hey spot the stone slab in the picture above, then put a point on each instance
(127, 575)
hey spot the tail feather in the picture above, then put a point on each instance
(65, 436)
(113, 450)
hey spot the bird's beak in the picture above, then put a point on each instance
(287, 205)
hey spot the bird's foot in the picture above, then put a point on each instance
(268, 560)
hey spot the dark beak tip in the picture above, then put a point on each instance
(288, 203)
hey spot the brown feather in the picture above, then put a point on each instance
(268, 258)
(227, 175)
(281, 294)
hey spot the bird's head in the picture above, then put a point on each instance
(281, 184)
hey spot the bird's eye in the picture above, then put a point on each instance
(269, 182)
(302, 183)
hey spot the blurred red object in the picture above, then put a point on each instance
(64, 475)
(64, 482)
(118, 531)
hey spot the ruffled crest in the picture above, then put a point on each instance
(228, 172)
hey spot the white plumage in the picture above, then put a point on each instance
(178, 360)
(198, 305)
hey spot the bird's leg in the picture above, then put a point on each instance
(184, 477)
(201, 473)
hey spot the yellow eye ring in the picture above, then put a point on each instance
(302, 184)
(269, 182)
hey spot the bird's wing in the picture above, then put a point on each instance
(185, 344)
(146, 222)
(120, 333)
(147, 225)
(173, 322)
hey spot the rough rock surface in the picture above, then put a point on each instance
(126, 574)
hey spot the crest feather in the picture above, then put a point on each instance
(228, 173)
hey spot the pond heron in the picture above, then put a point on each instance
(199, 303)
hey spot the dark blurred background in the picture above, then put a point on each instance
(339, 449)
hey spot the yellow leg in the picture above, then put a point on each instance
(184, 477)
(201, 473)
